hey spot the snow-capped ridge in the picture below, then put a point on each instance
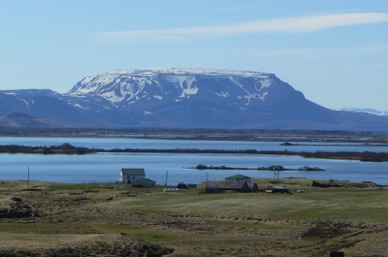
(185, 71)
(129, 85)
(184, 98)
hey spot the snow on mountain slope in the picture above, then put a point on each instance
(123, 88)
(367, 110)
(181, 98)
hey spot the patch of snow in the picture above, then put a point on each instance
(87, 80)
(249, 95)
(265, 83)
(78, 96)
(367, 110)
(223, 94)
(130, 84)
(80, 106)
(186, 72)
(111, 96)
(25, 102)
(189, 91)
(186, 84)
(107, 107)
(263, 95)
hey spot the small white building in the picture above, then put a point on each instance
(128, 175)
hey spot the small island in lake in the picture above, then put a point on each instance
(268, 168)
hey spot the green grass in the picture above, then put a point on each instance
(137, 231)
(336, 204)
(43, 231)
(41, 239)
(82, 186)
(47, 228)
(117, 228)
(244, 225)
(157, 237)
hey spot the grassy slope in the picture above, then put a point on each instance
(269, 223)
(344, 203)
(336, 204)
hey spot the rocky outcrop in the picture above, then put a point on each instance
(15, 208)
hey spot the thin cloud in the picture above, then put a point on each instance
(285, 25)
(237, 8)
(329, 52)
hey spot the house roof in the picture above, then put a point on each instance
(213, 186)
(144, 181)
(128, 171)
(238, 176)
(234, 185)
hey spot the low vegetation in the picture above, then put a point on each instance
(60, 149)
(109, 219)
(291, 136)
(70, 149)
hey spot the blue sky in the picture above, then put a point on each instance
(335, 52)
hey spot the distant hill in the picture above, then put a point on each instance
(184, 98)
(367, 110)
(18, 119)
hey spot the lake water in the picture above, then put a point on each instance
(174, 168)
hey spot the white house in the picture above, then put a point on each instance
(128, 175)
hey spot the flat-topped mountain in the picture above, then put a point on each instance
(184, 98)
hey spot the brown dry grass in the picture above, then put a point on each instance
(117, 220)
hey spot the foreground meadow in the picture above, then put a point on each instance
(49, 219)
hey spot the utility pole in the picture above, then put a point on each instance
(28, 177)
(276, 175)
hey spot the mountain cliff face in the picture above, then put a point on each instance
(184, 98)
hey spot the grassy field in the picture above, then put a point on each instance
(336, 204)
(102, 220)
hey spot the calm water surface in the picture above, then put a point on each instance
(174, 168)
(112, 143)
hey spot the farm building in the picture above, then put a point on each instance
(148, 183)
(238, 178)
(213, 187)
(220, 187)
(129, 175)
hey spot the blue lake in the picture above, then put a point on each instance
(174, 168)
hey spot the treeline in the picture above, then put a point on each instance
(70, 149)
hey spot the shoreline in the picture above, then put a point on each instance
(69, 149)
